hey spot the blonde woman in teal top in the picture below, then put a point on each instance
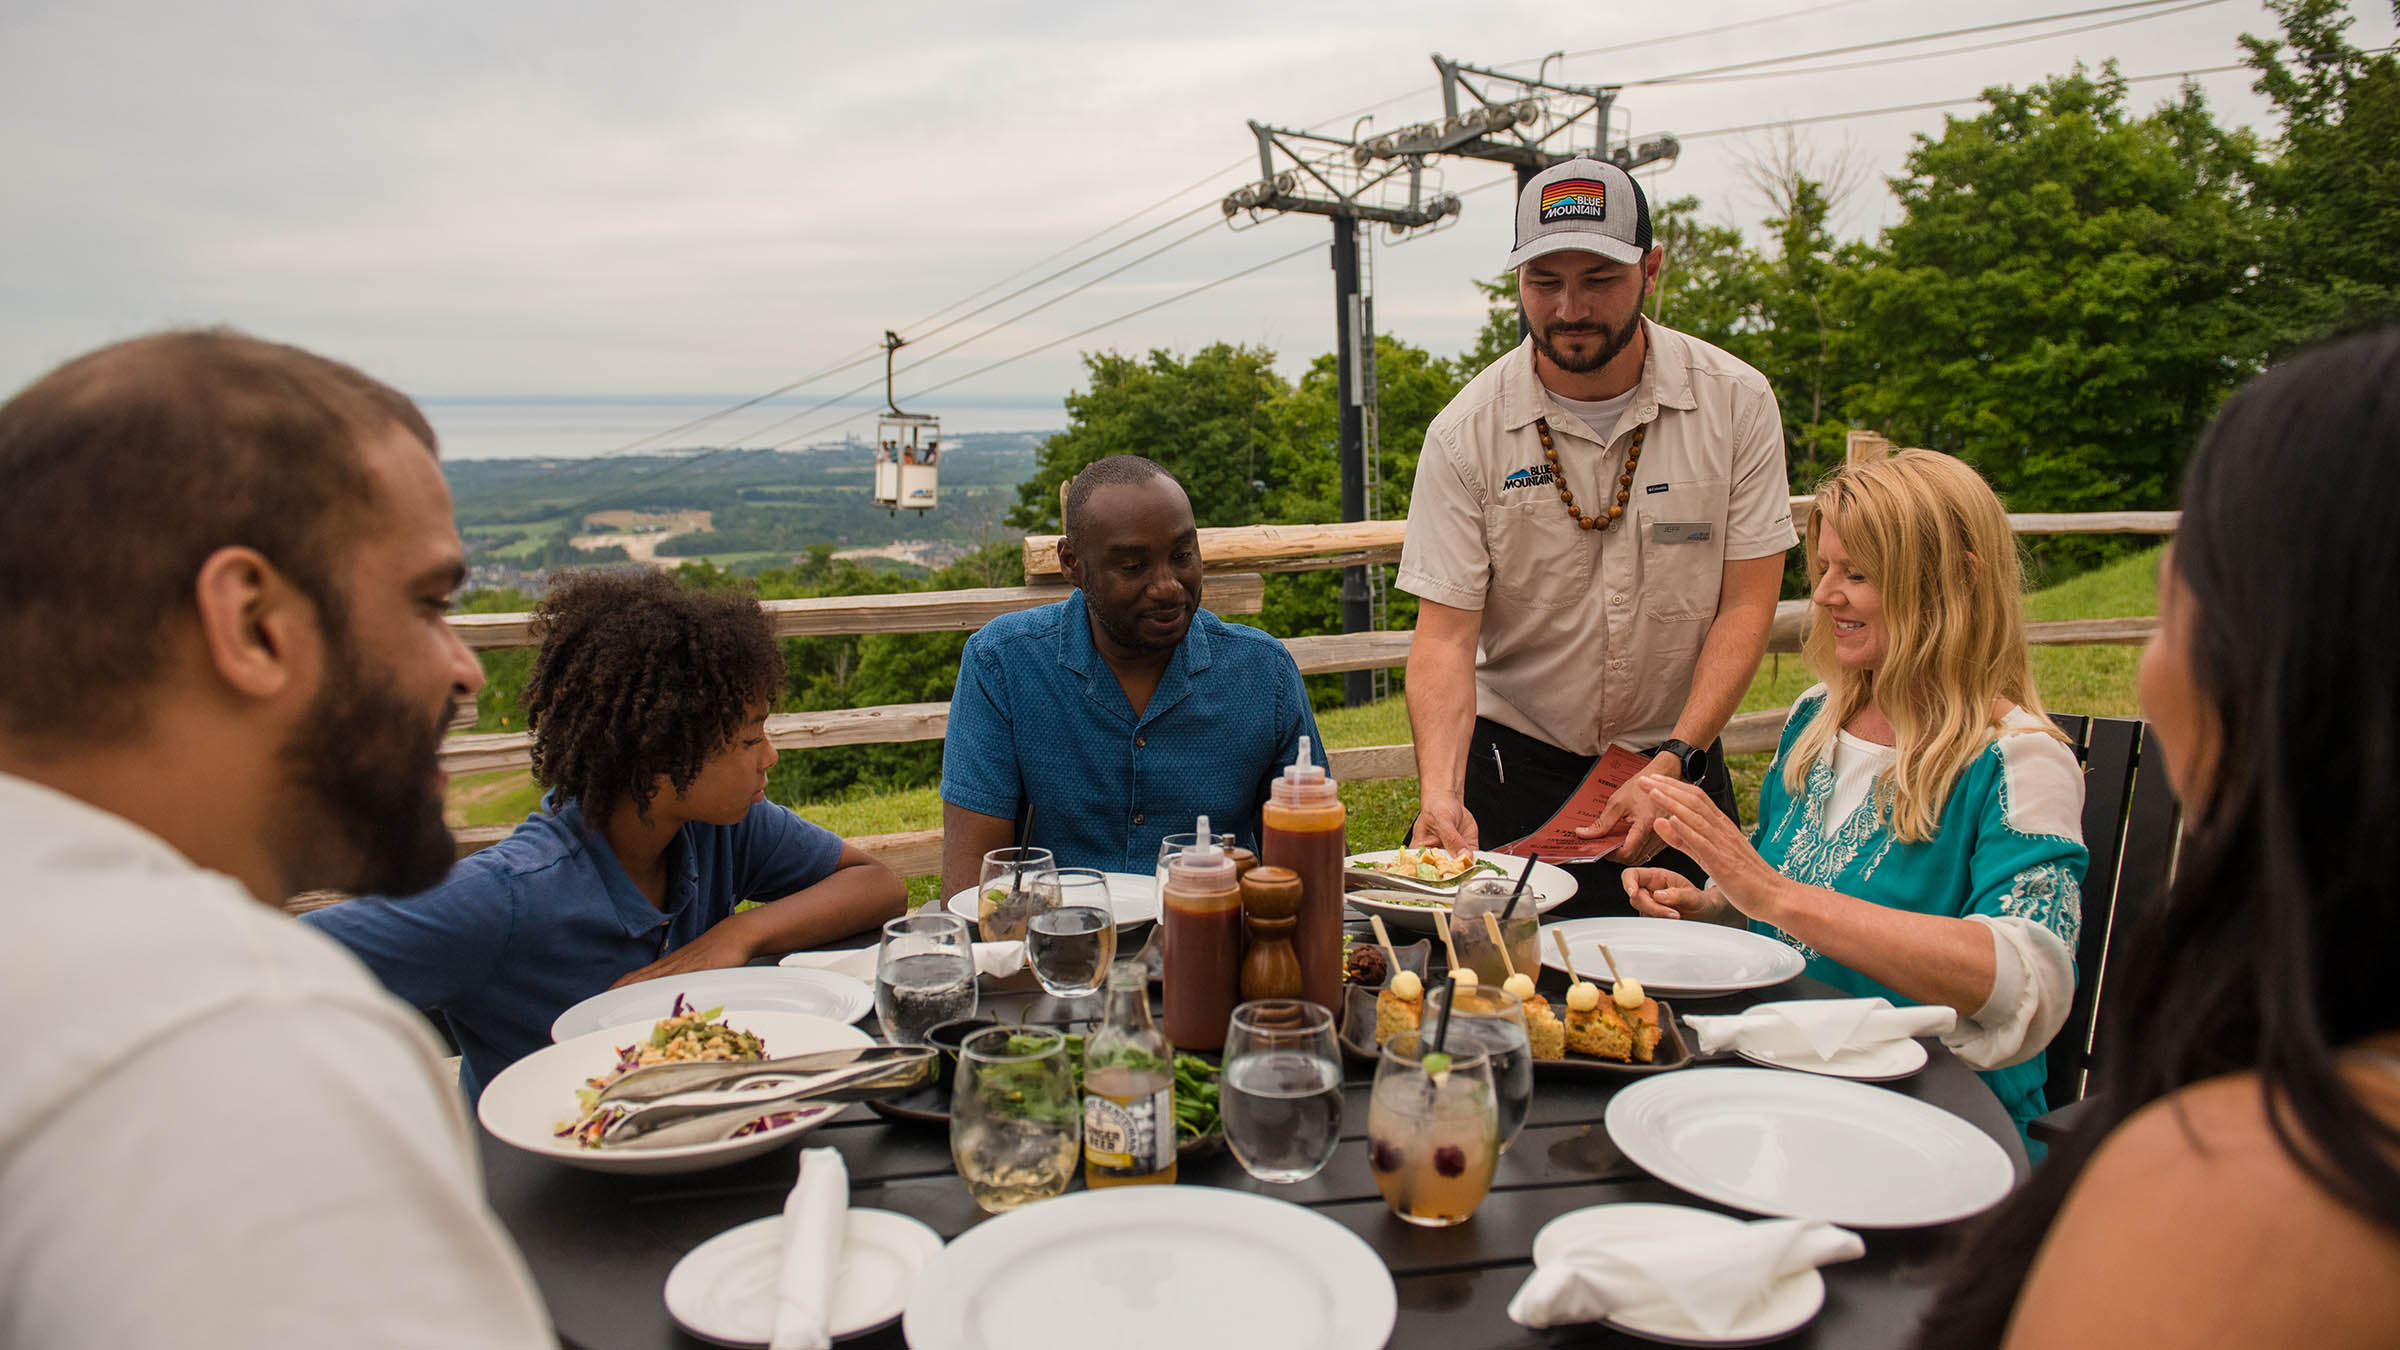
(1920, 833)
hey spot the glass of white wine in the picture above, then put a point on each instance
(1017, 884)
(1016, 1121)
(1072, 943)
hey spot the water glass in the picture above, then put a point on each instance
(1072, 943)
(1491, 1021)
(1281, 1092)
(1016, 1120)
(1017, 884)
(1432, 1138)
(924, 974)
(1489, 895)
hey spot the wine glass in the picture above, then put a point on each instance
(1071, 943)
(1491, 1021)
(1016, 1122)
(1281, 1093)
(1017, 883)
(1432, 1135)
(924, 974)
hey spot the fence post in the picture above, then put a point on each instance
(1866, 445)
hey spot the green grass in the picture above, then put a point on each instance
(2094, 680)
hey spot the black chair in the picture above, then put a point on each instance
(2130, 824)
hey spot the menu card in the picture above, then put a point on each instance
(1556, 841)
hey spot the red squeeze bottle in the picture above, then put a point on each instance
(1203, 975)
(1303, 819)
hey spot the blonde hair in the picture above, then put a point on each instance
(1929, 533)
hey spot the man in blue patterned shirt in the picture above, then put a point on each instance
(1121, 713)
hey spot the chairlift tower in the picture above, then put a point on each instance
(1302, 172)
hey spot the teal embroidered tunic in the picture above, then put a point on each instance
(2005, 848)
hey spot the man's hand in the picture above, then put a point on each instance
(1657, 893)
(712, 950)
(1443, 821)
(1633, 806)
(1688, 820)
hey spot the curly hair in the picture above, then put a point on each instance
(637, 677)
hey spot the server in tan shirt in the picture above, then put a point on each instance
(1597, 534)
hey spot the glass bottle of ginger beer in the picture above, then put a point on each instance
(1128, 1089)
(1303, 829)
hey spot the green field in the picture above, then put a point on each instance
(2092, 680)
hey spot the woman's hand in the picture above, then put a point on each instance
(1688, 820)
(1657, 893)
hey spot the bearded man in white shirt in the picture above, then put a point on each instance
(226, 565)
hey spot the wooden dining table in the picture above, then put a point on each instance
(600, 1245)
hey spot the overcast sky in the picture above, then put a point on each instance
(612, 199)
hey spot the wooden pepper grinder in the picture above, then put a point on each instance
(1270, 911)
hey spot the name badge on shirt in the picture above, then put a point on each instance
(1683, 531)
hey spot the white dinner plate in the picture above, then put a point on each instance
(1675, 956)
(1783, 1308)
(1547, 889)
(723, 1291)
(1805, 1147)
(527, 1103)
(1874, 1064)
(1162, 1267)
(819, 993)
(1133, 895)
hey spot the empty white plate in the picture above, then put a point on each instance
(819, 993)
(1806, 1147)
(1779, 1311)
(1675, 956)
(723, 1291)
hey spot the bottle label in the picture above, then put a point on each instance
(1136, 1136)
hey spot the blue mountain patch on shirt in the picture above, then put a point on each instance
(1532, 475)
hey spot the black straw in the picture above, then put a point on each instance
(1531, 858)
(1441, 1024)
(1016, 884)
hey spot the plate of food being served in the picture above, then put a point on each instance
(1408, 886)
(544, 1103)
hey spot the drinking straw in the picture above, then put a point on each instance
(1531, 858)
(1016, 884)
(1492, 927)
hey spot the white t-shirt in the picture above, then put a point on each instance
(215, 1129)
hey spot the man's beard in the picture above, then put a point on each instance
(1611, 343)
(1129, 635)
(363, 767)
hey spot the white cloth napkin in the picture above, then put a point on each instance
(1819, 1028)
(1711, 1277)
(995, 959)
(814, 1216)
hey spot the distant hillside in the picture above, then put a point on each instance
(524, 516)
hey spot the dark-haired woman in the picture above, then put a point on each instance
(648, 703)
(2242, 1184)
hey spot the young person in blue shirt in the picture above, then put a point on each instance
(1121, 713)
(648, 704)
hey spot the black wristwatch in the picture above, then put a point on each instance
(1689, 759)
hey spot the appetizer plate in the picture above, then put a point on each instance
(742, 989)
(1874, 1064)
(527, 1103)
(1548, 888)
(1805, 1147)
(1777, 1311)
(1673, 1052)
(1153, 1266)
(1675, 956)
(723, 1291)
(1134, 896)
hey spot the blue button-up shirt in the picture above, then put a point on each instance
(1038, 718)
(528, 928)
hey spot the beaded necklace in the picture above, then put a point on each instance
(1616, 510)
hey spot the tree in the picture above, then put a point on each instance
(2067, 297)
(1204, 419)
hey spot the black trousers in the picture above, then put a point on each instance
(1516, 782)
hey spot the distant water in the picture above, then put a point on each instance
(533, 427)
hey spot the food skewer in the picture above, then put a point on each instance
(1391, 959)
(1564, 959)
(1627, 993)
(1491, 926)
(1459, 975)
(1611, 958)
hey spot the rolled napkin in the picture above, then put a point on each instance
(1712, 1277)
(814, 1216)
(1818, 1028)
(995, 959)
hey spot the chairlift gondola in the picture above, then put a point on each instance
(908, 448)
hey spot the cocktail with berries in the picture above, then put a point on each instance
(1432, 1130)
